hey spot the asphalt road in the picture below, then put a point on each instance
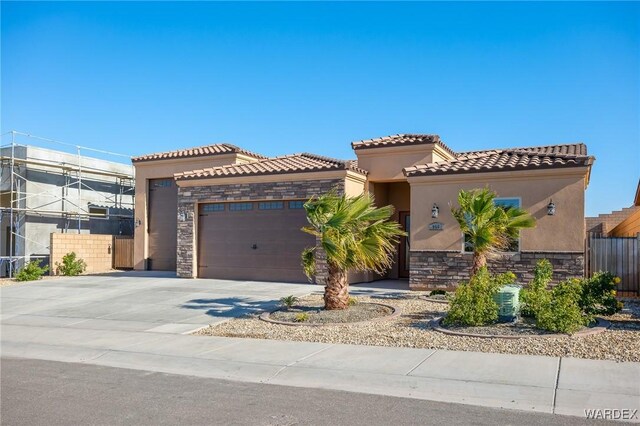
(35, 392)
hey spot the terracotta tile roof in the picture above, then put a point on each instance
(401, 139)
(567, 149)
(200, 151)
(296, 163)
(496, 160)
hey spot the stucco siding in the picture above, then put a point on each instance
(563, 232)
(156, 170)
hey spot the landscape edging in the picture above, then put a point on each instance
(601, 326)
(393, 315)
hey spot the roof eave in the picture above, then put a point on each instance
(425, 172)
(180, 176)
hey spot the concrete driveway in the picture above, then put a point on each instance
(137, 301)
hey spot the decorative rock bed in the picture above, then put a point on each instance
(515, 330)
(316, 316)
(413, 329)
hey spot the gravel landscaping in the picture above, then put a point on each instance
(312, 310)
(412, 329)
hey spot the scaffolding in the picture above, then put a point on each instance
(22, 197)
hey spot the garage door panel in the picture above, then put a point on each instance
(226, 239)
(163, 224)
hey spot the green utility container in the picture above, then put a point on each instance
(508, 300)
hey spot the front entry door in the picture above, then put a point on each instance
(403, 253)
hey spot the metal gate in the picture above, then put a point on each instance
(122, 252)
(618, 255)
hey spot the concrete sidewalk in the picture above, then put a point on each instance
(532, 383)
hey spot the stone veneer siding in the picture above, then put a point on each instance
(189, 196)
(432, 270)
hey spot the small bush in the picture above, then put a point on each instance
(301, 317)
(437, 293)
(561, 312)
(353, 301)
(599, 294)
(473, 304)
(289, 301)
(71, 266)
(31, 271)
(535, 294)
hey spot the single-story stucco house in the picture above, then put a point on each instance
(220, 211)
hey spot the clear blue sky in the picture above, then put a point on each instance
(279, 78)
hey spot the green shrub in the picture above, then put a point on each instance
(71, 266)
(599, 294)
(31, 271)
(301, 317)
(353, 301)
(536, 294)
(288, 301)
(561, 312)
(473, 304)
(437, 293)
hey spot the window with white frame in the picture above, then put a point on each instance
(505, 203)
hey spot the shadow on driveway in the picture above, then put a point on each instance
(230, 307)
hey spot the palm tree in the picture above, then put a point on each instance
(354, 234)
(487, 227)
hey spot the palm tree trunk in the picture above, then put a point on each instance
(479, 260)
(336, 292)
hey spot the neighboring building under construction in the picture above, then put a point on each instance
(44, 191)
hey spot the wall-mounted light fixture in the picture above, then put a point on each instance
(551, 208)
(435, 210)
(138, 222)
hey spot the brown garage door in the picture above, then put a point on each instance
(163, 224)
(258, 241)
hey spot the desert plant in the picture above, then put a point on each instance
(301, 317)
(536, 294)
(31, 271)
(598, 296)
(487, 227)
(353, 301)
(561, 312)
(288, 301)
(71, 266)
(354, 234)
(437, 293)
(473, 303)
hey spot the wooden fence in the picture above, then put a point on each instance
(122, 252)
(618, 255)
